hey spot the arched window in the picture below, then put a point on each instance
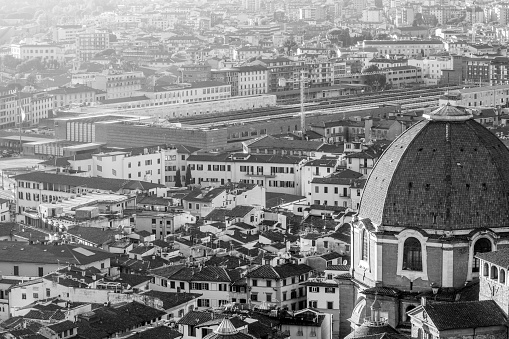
(501, 276)
(481, 246)
(365, 244)
(408, 309)
(486, 270)
(412, 255)
(494, 273)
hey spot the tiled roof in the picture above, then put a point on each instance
(171, 299)
(62, 326)
(331, 256)
(106, 184)
(338, 268)
(458, 164)
(206, 196)
(14, 251)
(279, 272)
(160, 332)
(133, 279)
(95, 235)
(383, 291)
(194, 318)
(207, 273)
(467, 314)
(499, 257)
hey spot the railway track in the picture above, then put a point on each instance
(310, 107)
(339, 105)
(405, 103)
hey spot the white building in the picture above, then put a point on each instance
(66, 34)
(116, 84)
(252, 80)
(487, 96)
(274, 172)
(432, 67)
(45, 52)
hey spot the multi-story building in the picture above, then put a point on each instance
(116, 84)
(156, 164)
(89, 44)
(252, 80)
(65, 96)
(45, 52)
(334, 190)
(229, 76)
(408, 48)
(35, 188)
(280, 68)
(163, 224)
(189, 92)
(488, 96)
(195, 72)
(251, 5)
(279, 285)
(403, 76)
(38, 107)
(66, 34)
(213, 283)
(247, 52)
(324, 295)
(274, 172)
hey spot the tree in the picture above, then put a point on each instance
(189, 178)
(376, 81)
(178, 179)
(30, 65)
(31, 79)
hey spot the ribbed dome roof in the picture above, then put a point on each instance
(446, 172)
(226, 328)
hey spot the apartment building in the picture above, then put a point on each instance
(213, 283)
(274, 172)
(35, 188)
(66, 34)
(44, 52)
(252, 80)
(279, 285)
(65, 96)
(89, 44)
(280, 68)
(324, 295)
(155, 164)
(334, 189)
(163, 224)
(116, 84)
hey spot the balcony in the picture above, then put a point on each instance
(373, 323)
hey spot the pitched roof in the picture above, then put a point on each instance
(279, 272)
(466, 314)
(93, 234)
(107, 184)
(194, 318)
(14, 251)
(499, 257)
(171, 299)
(160, 332)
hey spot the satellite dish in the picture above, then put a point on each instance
(345, 262)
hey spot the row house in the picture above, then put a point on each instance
(274, 172)
(213, 283)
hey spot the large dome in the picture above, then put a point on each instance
(446, 172)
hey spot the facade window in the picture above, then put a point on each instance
(365, 244)
(482, 245)
(412, 255)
